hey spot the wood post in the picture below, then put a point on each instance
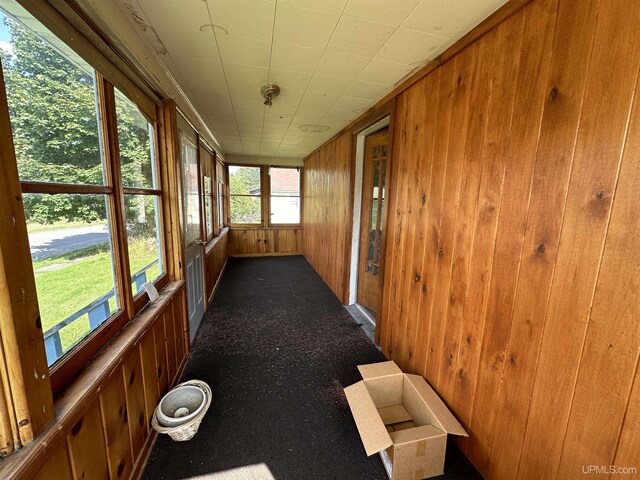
(26, 403)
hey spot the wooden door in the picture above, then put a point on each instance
(376, 164)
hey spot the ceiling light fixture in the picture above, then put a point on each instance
(269, 92)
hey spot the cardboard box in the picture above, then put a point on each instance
(400, 416)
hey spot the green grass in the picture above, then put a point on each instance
(67, 283)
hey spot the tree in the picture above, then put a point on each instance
(56, 133)
(245, 181)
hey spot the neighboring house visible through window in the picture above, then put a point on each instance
(285, 195)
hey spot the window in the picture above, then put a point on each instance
(138, 169)
(207, 170)
(245, 201)
(80, 207)
(220, 177)
(285, 195)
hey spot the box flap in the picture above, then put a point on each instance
(415, 434)
(381, 369)
(372, 431)
(444, 418)
(394, 414)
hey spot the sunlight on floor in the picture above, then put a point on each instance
(259, 471)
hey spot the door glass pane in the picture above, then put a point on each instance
(143, 238)
(190, 196)
(52, 103)
(375, 223)
(73, 266)
(135, 143)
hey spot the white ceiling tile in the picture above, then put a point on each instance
(341, 65)
(245, 50)
(351, 103)
(477, 20)
(439, 17)
(383, 11)
(331, 6)
(389, 73)
(185, 14)
(411, 47)
(359, 37)
(202, 75)
(289, 81)
(372, 91)
(295, 59)
(303, 27)
(246, 75)
(329, 85)
(316, 103)
(248, 18)
(183, 42)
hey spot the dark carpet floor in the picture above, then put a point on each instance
(277, 347)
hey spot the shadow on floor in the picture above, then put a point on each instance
(277, 348)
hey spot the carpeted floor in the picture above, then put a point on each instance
(277, 347)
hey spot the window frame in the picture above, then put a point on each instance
(68, 365)
(261, 196)
(299, 197)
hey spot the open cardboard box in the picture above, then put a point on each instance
(401, 417)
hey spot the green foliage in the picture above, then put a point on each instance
(245, 181)
(56, 134)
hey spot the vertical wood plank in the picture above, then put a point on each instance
(489, 202)
(177, 331)
(539, 27)
(613, 332)
(57, 466)
(113, 407)
(170, 342)
(134, 394)
(149, 373)
(161, 357)
(86, 446)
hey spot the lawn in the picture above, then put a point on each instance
(69, 282)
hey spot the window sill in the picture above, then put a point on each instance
(74, 398)
(295, 226)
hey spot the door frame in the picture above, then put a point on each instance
(357, 211)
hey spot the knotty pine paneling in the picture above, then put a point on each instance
(215, 258)
(109, 432)
(265, 241)
(327, 213)
(511, 267)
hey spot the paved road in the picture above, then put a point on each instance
(55, 242)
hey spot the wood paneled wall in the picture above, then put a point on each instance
(265, 241)
(103, 419)
(214, 260)
(328, 213)
(511, 275)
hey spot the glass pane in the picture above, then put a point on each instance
(142, 215)
(73, 264)
(285, 210)
(221, 219)
(52, 103)
(244, 180)
(245, 209)
(285, 182)
(135, 143)
(375, 223)
(190, 195)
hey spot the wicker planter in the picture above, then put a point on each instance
(187, 430)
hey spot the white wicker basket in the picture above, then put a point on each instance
(187, 430)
